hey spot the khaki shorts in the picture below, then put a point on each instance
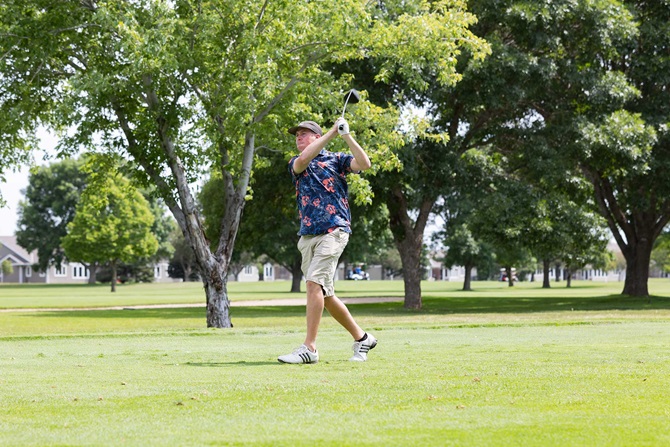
(320, 255)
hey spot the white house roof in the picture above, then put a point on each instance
(16, 253)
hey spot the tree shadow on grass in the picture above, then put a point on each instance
(431, 306)
(175, 313)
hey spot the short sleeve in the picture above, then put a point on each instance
(345, 163)
(290, 168)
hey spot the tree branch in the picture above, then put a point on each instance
(260, 16)
(294, 80)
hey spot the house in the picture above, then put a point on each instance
(22, 265)
(68, 273)
(21, 262)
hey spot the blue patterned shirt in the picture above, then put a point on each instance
(322, 193)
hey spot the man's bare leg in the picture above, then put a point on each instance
(315, 304)
(338, 310)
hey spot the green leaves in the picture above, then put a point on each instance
(112, 223)
(49, 205)
(428, 39)
(621, 143)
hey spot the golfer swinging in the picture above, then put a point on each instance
(325, 225)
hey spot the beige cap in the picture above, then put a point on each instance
(309, 125)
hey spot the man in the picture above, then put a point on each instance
(325, 225)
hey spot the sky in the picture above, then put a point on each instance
(11, 192)
(15, 182)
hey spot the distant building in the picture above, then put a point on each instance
(68, 273)
(21, 262)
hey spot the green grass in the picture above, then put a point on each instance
(578, 367)
(64, 296)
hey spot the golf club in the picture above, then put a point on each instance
(351, 97)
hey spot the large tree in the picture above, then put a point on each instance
(187, 84)
(49, 204)
(627, 154)
(598, 111)
(478, 112)
(543, 69)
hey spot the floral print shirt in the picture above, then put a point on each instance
(322, 193)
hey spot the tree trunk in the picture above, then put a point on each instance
(558, 272)
(510, 278)
(634, 232)
(113, 276)
(296, 271)
(468, 278)
(187, 272)
(411, 274)
(546, 273)
(216, 292)
(92, 271)
(638, 257)
(212, 266)
(568, 272)
(408, 237)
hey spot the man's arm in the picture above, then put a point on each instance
(311, 151)
(361, 161)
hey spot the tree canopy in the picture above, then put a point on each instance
(183, 85)
(50, 201)
(112, 224)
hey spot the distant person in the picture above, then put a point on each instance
(325, 224)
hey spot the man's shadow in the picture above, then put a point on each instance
(241, 363)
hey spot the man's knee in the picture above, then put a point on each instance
(315, 287)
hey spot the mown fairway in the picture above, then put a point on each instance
(495, 367)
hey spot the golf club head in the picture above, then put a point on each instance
(352, 96)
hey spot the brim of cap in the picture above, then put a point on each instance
(294, 130)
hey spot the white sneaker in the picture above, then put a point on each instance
(300, 355)
(361, 349)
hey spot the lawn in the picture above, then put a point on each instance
(526, 366)
(65, 296)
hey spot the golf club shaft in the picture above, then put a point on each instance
(345, 104)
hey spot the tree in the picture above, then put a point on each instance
(661, 255)
(637, 205)
(49, 205)
(112, 224)
(177, 85)
(599, 113)
(390, 262)
(143, 269)
(464, 249)
(182, 264)
(7, 267)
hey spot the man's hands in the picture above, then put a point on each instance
(361, 161)
(342, 126)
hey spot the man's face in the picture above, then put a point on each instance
(304, 138)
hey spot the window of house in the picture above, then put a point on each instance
(157, 271)
(29, 271)
(79, 272)
(268, 271)
(62, 271)
(248, 270)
